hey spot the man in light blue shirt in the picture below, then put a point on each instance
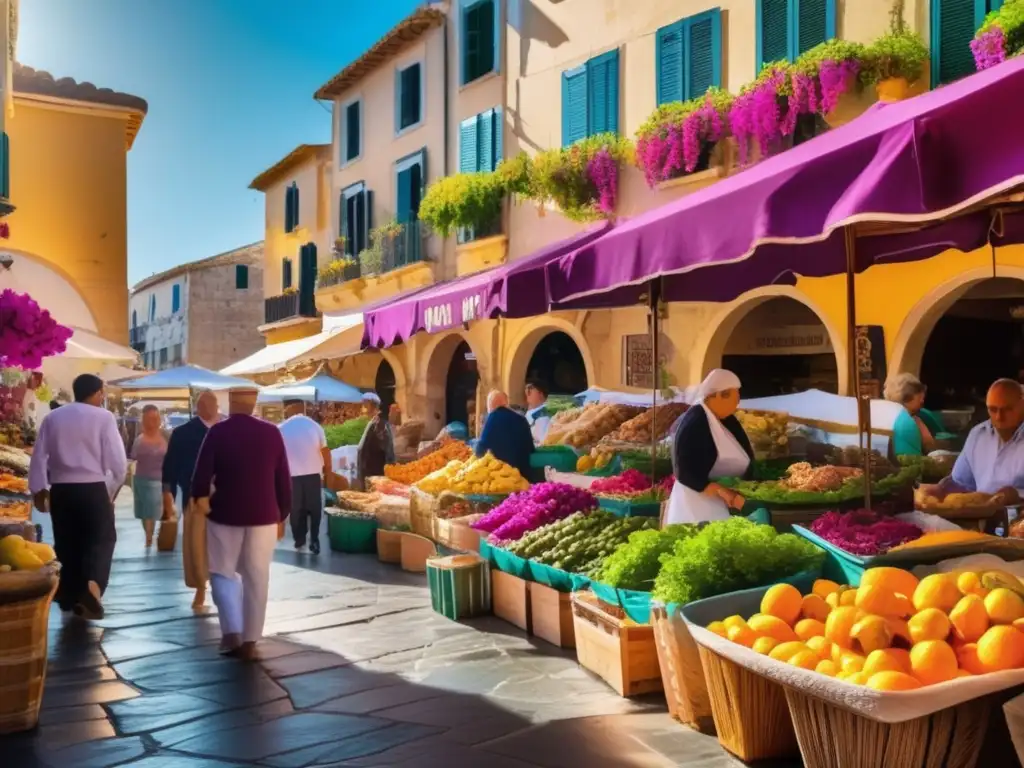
(992, 460)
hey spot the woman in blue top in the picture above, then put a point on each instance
(914, 431)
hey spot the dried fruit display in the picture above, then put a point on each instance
(414, 471)
(767, 431)
(562, 422)
(803, 477)
(595, 423)
(638, 429)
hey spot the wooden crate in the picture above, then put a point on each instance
(457, 533)
(551, 616)
(619, 651)
(415, 552)
(460, 586)
(510, 599)
(389, 546)
(682, 673)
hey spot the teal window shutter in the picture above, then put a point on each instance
(467, 145)
(175, 297)
(286, 274)
(603, 96)
(499, 136)
(574, 105)
(295, 205)
(478, 43)
(343, 223)
(404, 206)
(241, 277)
(954, 23)
(703, 53)
(813, 22)
(289, 225)
(367, 197)
(668, 52)
(485, 141)
(5, 166)
(773, 24)
(398, 100)
(353, 138)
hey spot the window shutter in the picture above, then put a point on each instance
(485, 140)
(574, 105)
(499, 136)
(772, 31)
(367, 216)
(669, 63)
(467, 145)
(307, 280)
(353, 139)
(603, 108)
(359, 227)
(398, 100)
(5, 166)
(286, 274)
(295, 205)
(703, 53)
(343, 224)
(470, 45)
(485, 13)
(403, 208)
(954, 23)
(241, 277)
(812, 24)
(288, 225)
(175, 298)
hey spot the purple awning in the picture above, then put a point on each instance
(509, 290)
(915, 161)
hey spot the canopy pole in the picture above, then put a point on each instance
(654, 301)
(853, 361)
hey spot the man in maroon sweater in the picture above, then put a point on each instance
(243, 483)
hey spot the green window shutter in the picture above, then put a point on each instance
(994, 5)
(813, 19)
(478, 39)
(954, 23)
(295, 205)
(288, 224)
(343, 224)
(485, 140)
(307, 280)
(486, 13)
(286, 274)
(772, 31)
(404, 203)
(352, 131)
(5, 166)
(603, 96)
(241, 277)
(175, 298)
(668, 51)
(703, 53)
(409, 88)
(367, 198)
(574, 105)
(499, 136)
(467, 145)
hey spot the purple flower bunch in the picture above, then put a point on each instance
(989, 48)
(671, 149)
(834, 79)
(28, 333)
(528, 510)
(603, 172)
(760, 113)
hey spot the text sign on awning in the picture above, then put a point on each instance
(448, 314)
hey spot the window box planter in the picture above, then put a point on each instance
(478, 255)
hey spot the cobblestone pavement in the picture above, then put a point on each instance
(357, 670)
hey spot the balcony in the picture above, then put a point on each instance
(137, 338)
(289, 306)
(480, 248)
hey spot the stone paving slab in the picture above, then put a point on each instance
(357, 670)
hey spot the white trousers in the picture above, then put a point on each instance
(239, 559)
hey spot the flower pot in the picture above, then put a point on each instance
(893, 89)
(849, 106)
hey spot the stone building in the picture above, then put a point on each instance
(221, 295)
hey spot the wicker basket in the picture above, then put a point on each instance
(389, 546)
(25, 598)
(423, 509)
(682, 672)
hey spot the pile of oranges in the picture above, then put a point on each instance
(893, 632)
(414, 471)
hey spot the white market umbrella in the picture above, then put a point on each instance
(319, 388)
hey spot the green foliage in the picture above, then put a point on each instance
(333, 272)
(516, 175)
(560, 175)
(1010, 19)
(831, 50)
(894, 55)
(730, 555)
(349, 433)
(636, 564)
(462, 200)
(675, 112)
(775, 492)
(371, 259)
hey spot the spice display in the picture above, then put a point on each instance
(730, 555)
(636, 564)
(414, 471)
(864, 532)
(13, 484)
(542, 504)
(13, 461)
(893, 633)
(638, 429)
(483, 476)
(767, 431)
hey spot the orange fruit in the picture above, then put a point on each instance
(743, 635)
(904, 607)
(857, 678)
(893, 579)
(878, 600)
(805, 659)
(1001, 648)
(832, 600)
(718, 628)
(929, 624)
(1004, 606)
(900, 632)
(772, 626)
(938, 590)
(764, 644)
(969, 618)
(933, 661)
(851, 662)
(807, 628)
(970, 584)
(815, 607)
(827, 667)
(839, 624)
(734, 621)
(892, 680)
(871, 633)
(964, 673)
(848, 597)
(967, 658)
(823, 588)
(882, 661)
(786, 651)
(783, 601)
(821, 646)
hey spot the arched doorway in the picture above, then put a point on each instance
(461, 387)
(780, 346)
(385, 385)
(557, 362)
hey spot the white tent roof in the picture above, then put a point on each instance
(88, 345)
(638, 399)
(817, 406)
(322, 388)
(276, 356)
(186, 377)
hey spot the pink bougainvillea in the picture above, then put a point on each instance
(989, 48)
(603, 172)
(834, 79)
(673, 140)
(761, 113)
(28, 333)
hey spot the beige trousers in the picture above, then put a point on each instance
(240, 560)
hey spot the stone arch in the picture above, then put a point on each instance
(525, 343)
(916, 328)
(438, 354)
(711, 343)
(52, 287)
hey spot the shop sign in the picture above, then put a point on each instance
(787, 340)
(638, 361)
(871, 367)
(448, 314)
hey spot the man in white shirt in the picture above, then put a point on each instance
(309, 459)
(78, 464)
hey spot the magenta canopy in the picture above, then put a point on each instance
(937, 155)
(516, 289)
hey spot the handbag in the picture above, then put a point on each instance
(167, 536)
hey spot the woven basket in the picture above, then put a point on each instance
(25, 598)
(423, 509)
(389, 546)
(682, 672)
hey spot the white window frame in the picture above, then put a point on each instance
(343, 130)
(423, 95)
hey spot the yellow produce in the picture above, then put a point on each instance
(584, 463)
(1004, 606)
(937, 591)
(1001, 579)
(969, 619)
(850, 663)
(827, 667)
(21, 555)
(822, 646)
(414, 471)
(886, 660)
(815, 607)
(764, 645)
(969, 583)
(894, 580)
(929, 624)
(871, 633)
(485, 475)
(839, 624)
(805, 659)
(734, 621)
(967, 658)
(742, 634)
(772, 626)
(933, 661)
(786, 651)
(878, 600)
(892, 680)
(941, 538)
(807, 628)
(1001, 648)
(783, 601)
(719, 628)
(823, 588)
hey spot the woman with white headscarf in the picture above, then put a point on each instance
(709, 444)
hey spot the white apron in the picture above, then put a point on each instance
(686, 505)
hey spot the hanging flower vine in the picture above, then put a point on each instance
(1001, 36)
(679, 137)
(28, 333)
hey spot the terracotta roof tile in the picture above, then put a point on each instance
(407, 31)
(297, 156)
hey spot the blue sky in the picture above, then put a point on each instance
(230, 89)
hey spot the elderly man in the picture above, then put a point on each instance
(506, 434)
(243, 483)
(179, 466)
(309, 459)
(992, 460)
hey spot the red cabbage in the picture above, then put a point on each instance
(864, 532)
